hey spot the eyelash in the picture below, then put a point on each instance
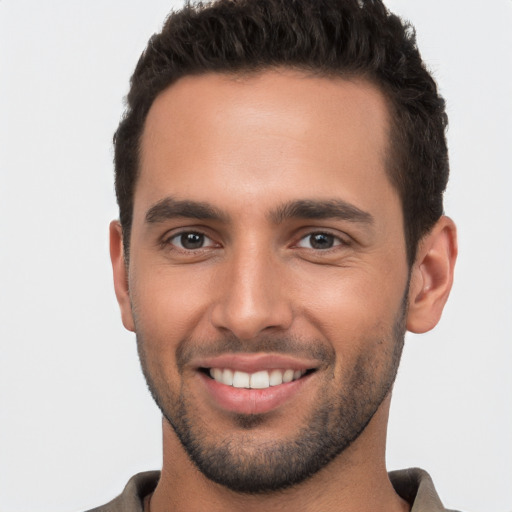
(167, 242)
(336, 240)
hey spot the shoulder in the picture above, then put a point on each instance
(415, 486)
(132, 497)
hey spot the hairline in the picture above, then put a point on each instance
(393, 152)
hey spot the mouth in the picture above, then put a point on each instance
(255, 383)
(262, 379)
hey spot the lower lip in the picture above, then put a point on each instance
(252, 401)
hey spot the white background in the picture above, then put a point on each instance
(76, 420)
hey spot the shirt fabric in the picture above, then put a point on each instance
(413, 485)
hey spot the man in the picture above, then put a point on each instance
(279, 173)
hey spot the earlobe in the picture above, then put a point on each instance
(432, 276)
(120, 275)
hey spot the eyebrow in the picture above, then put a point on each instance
(322, 209)
(170, 208)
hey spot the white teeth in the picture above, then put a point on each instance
(258, 380)
(288, 375)
(241, 380)
(276, 377)
(227, 377)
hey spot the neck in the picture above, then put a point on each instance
(355, 480)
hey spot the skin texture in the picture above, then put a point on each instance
(252, 151)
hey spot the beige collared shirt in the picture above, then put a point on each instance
(413, 485)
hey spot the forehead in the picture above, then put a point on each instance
(275, 135)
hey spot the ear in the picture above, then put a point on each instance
(432, 276)
(120, 275)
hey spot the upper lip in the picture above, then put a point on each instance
(251, 363)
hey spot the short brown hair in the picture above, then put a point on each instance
(342, 38)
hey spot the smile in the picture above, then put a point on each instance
(254, 383)
(258, 380)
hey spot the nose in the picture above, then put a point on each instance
(252, 297)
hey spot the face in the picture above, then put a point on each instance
(267, 274)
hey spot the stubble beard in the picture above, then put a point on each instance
(245, 467)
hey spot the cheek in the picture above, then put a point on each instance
(354, 308)
(168, 304)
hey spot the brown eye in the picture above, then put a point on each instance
(191, 240)
(319, 241)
